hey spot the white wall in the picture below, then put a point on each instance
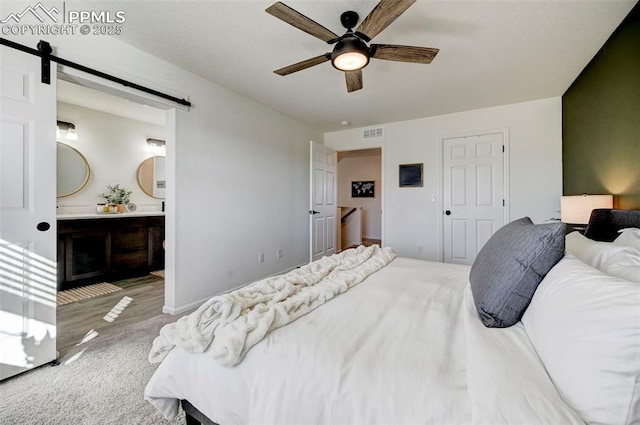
(411, 219)
(241, 188)
(362, 166)
(237, 174)
(114, 146)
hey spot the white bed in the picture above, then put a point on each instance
(405, 346)
(411, 368)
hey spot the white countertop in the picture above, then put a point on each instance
(80, 216)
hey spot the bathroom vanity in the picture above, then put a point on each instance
(108, 247)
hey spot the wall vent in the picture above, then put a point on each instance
(372, 133)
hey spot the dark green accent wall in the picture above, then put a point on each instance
(601, 121)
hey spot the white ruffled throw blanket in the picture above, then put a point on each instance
(228, 325)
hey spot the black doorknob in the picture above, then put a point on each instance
(43, 226)
(447, 212)
(314, 212)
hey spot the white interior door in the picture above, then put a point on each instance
(323, 212)
(27, 203)
(473, 194)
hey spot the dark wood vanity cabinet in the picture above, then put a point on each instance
(91, 250)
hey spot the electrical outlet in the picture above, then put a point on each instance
(420, 249)
(261, 257)
(279, 253)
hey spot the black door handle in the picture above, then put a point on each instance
(314, 212)
(43, 226)
(447, 212)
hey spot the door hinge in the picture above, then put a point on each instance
(502, 148)
(503, 202)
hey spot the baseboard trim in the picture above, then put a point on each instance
(287, 270)
(184, 308)
(195, 304)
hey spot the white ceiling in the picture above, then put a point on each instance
(491, 53)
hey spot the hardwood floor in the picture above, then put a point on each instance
(77, 319)
(365, 242)
(369, 242)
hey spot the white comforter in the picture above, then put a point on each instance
(403, 347)
(228, 325)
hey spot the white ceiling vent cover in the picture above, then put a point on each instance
(372, 133)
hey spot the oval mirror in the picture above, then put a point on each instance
(72, 170)
(151, 176)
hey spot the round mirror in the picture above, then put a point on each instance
(72, 170)
(151, 176)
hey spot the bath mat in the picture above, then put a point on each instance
(84, 292)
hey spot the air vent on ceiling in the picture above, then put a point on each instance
(372, 133)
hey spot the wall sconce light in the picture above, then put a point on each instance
(66, 131)
(577, 209)
(156, 143)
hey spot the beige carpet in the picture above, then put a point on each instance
(159, 273)
(99, 382)
(84, 292)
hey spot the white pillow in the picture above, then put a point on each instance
(585, 326)
(594, 253)
(624, 264)
(629, 237)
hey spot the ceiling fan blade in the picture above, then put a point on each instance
(298, 20)
(394, 52)
(382, 16)
(354, 80)
(302, 65)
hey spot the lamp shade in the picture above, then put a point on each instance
(577, 209)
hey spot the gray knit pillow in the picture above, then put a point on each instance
(509, 268)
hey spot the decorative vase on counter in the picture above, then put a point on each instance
(117, 197)
(110, 208)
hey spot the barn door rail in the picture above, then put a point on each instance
(44, 52)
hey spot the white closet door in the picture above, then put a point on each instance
(473, 188)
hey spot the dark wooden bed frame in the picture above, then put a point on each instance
(194, 416)
(603, 226)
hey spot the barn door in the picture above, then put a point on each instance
(27, 214)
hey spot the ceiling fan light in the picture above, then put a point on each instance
(350, 54)
(350, 61)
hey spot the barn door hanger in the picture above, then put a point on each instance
(45, 61)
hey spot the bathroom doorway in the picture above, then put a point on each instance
(114, 139)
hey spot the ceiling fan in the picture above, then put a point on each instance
(351, 52)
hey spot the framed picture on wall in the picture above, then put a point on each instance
(363, 189)
(410, 175)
